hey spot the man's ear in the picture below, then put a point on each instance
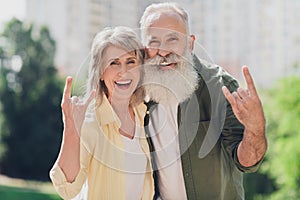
(192, 40)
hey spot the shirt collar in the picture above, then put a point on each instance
(105, 114)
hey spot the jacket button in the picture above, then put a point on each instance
(186, 174)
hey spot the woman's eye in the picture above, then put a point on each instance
(114, 63)
(131, 61)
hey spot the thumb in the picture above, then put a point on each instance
(228, 95)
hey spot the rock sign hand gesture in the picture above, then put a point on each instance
(247, 106)
(74, 108)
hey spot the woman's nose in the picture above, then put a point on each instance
(123, 68)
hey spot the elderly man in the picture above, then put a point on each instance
(204, 130)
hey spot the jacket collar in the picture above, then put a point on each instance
(198, 67)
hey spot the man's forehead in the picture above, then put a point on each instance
(167, 22)
(154, 33)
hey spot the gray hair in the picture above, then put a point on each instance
(122, 37)
(158, 8)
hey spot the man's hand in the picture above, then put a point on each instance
(247, 106)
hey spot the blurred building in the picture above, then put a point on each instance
(74, 23)
(263, 34)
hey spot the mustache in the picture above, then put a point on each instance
(170, 58)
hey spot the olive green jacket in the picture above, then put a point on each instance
(209, 135)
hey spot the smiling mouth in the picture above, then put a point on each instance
(123, 83)
(167, 65)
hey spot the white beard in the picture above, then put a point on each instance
(172, 85)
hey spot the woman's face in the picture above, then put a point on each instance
(122, 73)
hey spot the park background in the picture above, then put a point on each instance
(43, 41)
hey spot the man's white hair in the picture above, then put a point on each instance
(152, 12)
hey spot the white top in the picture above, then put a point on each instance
(135, 166)
(163, 129)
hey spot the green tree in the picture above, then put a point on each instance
(30, 98)
(283, 157)
(257, 185)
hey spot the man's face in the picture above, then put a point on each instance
(169, 73)
(166, 35)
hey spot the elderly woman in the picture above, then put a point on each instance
(104, 143)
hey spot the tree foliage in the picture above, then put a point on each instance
(283, 158)
(30, 99)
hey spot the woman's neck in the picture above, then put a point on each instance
(126, 115)
(120, 106)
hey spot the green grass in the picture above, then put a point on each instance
(17, 193)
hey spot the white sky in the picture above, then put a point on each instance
(11, 8)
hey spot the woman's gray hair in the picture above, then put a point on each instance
(153, 10)
(122, 37)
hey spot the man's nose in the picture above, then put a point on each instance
(163, 52)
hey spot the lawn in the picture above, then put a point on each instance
(18, 189)
(16, 193)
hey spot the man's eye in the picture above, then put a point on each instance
(153, 43)
(172, 39)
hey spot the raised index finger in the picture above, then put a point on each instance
(68, 88)
(249, 80)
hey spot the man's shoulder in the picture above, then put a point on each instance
(210, 72)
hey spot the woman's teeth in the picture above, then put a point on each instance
(123, 83)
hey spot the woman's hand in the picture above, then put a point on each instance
(74, 108)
